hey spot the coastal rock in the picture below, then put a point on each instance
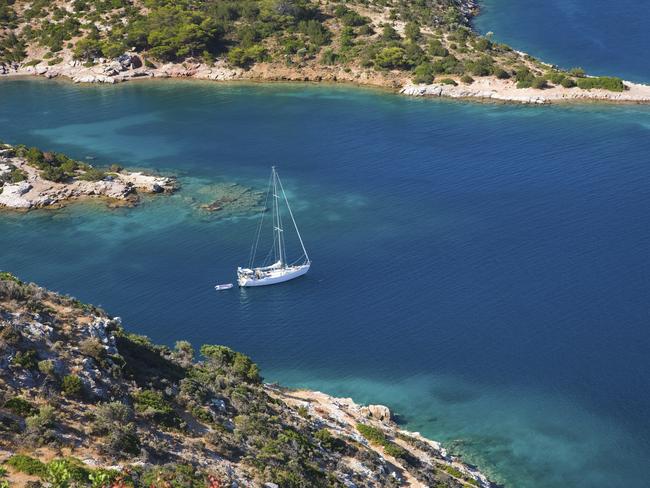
(12, 195)
(129, 61)
(149, 183)
(94, 79)
(41, 69)
(377, 412)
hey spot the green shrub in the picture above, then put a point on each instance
(555, 77)
(25, 359)
(602, 82)
(26, 464)
(577, 72)
(423, 74)
(102, 478)
(20, 407)
(539, 83)
(46, 367)
(373, 434)
(435, 48)
(92, 347)
(152, 404)
(391, 58)
(394, 450)
(173, 476)
(467, 79)
(329, 57)
(114, 420)
(72, 386)
(246, 57)
(229, 361)
(448, 81)
(568, 83)
(500, 73)
(58, 474)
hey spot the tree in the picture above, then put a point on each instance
(390, 57)
(412, 31)
(389, 33)
(87, 49)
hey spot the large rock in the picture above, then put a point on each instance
(377, 412)
(128, 60)
(13, 195)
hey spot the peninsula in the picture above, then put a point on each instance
(84, 402)
(31, 178)
(416, 48)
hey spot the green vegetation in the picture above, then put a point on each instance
(216, 406)
(152, 404)
(26, 464)
(423, 39)
(54, 166)
(115, 421)
(20, 407)
(62, 472)
(376, 436)
(423, 73)
(14, 176)
(72, 386)
(602, 82)
(25, 359)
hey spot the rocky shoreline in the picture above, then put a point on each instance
(120, 187)
(342, 415)
(485, 88)
(77, 391)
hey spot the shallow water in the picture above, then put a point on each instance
(481, 269)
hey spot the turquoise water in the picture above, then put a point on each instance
(481, 269)
(604, 37)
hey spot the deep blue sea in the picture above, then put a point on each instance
(481, 269)
(602, 36)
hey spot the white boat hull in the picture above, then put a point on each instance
(272, 277)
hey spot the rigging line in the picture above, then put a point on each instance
(259, 227)
(292, 219)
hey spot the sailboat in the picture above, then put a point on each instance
(281, 270)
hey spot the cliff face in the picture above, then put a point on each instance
(85, 403)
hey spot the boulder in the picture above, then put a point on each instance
(377, 412)
(128, 60)
(12, 195)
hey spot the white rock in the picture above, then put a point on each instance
(12, 195)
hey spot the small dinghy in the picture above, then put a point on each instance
(226, 286)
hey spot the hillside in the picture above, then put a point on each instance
(83, 402)
(390, 43)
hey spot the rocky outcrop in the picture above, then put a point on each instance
(377, 412)
(13, 196)
(35, 191)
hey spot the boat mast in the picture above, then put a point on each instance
(280, 254)
(292, 219)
